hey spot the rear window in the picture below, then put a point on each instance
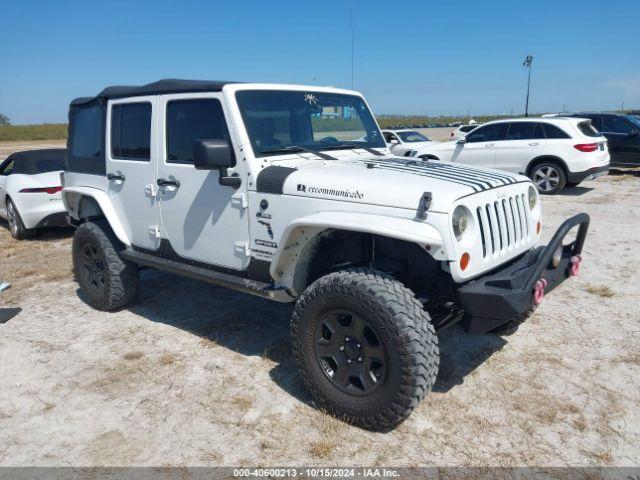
(552, 132)
(587, 129)
(86, 133)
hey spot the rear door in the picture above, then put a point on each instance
(131, 155)
(624, 146)
(203, 220)
(480, 144)
(523, 142)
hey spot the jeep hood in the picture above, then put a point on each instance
(387, 181)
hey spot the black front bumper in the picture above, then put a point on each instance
(496, 298)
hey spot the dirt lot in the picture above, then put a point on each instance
(196, 375)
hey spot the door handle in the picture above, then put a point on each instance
(488, 144)
(115, 177)
(163, 182)
(534, 144)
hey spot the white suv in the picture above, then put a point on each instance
(553, 152)
(290, 193)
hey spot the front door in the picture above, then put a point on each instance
(622, 139)
(524, 142)
(131, 167)
(202, 219)
(479, 147)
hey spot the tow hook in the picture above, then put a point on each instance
(538, 291)
(575, 265)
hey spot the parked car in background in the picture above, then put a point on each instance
(30, 189)
(622, 133)
(554, 151)
(462, 130)
(404, 142)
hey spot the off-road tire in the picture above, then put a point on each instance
(404, 329)
(512, 326)
(119, 277)
(16, 225)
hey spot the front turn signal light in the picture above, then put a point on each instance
(538, 228)
(464, 261)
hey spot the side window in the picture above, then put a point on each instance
(553, 132)
(488, 133)
(6, 168)
(524, 131)
(131, 131)
(191, 120)
(614, 124)
(86, 132)
(596, 121)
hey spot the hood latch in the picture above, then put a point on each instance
(424, 205)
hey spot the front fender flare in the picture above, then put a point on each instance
(303, 230)
(72, 196)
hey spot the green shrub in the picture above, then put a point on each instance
(46, 131)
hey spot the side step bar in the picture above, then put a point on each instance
(214, 277)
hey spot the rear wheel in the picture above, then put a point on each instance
(365, 347)
(549, 177)
(108, 281)
(16, 225)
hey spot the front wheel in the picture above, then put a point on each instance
(549, 177)
(365, 347)
(108, 281)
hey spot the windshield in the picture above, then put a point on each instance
(410, 137)
(277, 119)
(633, 119)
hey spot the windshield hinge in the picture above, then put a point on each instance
(150, 190)
(424, 205)
(242, 247)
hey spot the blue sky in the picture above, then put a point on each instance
(414, 57)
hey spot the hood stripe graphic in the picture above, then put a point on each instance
(477, 179)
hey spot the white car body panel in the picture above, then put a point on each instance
(32, 207)
(401, 148)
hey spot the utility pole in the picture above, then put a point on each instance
(527, 63)
(351, 25)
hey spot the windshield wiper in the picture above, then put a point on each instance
(297, 148)
(352, 146)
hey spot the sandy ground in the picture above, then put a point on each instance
(196, 375)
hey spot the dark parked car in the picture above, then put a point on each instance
(623, 135)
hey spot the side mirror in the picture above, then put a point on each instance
(216, 155)
(393, 141)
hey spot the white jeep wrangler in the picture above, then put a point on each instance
(289, 192)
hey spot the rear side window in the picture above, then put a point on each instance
(86, 133)
(191, 120)
(488, 133)
(615, 124)
(525, 131)
(553, 132)
(7, 168)
(131, 131)
(587, 129)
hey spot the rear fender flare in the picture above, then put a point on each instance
(86, 202)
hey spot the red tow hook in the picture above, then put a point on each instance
(538, 291)
(575, 265)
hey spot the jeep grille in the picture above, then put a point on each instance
(504, 224)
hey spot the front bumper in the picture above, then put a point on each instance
(591, 174)
(494, 299)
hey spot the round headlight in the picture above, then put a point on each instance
(533, 198)
(460, 221)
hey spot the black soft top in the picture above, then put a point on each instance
(156, 88)
(38, 161)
